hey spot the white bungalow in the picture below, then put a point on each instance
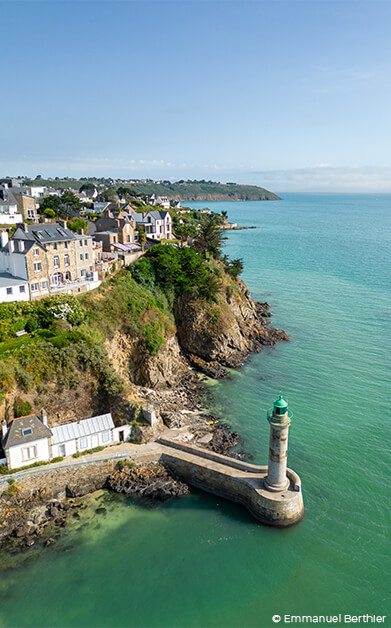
(29, 439)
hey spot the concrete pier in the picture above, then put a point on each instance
(237, 481)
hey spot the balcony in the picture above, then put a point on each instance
(91, 282)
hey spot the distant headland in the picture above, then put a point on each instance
(189, 190)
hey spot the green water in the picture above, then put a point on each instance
(323, 263)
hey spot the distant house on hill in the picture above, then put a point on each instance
(157, 224)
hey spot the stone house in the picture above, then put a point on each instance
(27, 206)
(51, 258)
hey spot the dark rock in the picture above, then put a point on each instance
(150, 480)
(211, 369)
(50, 541)
(101, 510)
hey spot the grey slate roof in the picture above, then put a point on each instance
(15, 433)
(44, 233)
(7, 280)
(77, 429)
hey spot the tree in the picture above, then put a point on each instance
(142, 238)
(109, 195)
(76, 224)
(210, 237)
(49, 202)
(224, 214)
(70, 200)
(235, 267)
(49, 213)
(86, 186)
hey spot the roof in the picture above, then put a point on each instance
(7, 280)
(77, 429)
(31, 422)
(280, 403)
(129, 248)
(27, 245)
(44, 233)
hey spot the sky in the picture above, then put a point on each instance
(290, 95)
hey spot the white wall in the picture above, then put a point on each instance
(10, 219)
(126, 429)
(16, 294)
(16, 455)
(14, 264)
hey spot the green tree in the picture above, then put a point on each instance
(142, 238)
(76, 224)
(70, 200)
(235, 267)
(210, 238)
(109, 195)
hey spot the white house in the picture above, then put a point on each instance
(29, 439)
(13, 288)
(157, 224)
(26, 441)
(8, 208)
(163, 201)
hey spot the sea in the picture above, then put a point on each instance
(323, 264)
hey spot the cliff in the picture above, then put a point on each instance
(134, 341)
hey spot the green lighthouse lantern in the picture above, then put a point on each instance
(279, 413)
(280, 406)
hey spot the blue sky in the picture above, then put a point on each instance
(292, 95)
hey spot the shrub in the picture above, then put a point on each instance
(31, 325)
(21, 408)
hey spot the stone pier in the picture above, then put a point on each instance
(237, 481)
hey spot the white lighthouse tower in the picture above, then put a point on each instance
(279, 418)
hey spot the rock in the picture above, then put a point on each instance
(222, 439)
(50, 541)
(30, 542)
(150, 480)
(101, 510)
(211, 369)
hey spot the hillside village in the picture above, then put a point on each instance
(60, 241)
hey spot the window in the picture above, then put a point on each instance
(105, 437)
(9, 290)
(27, 431)
(30, 213)
(83, 273)
(128, 238)
(55, 246)
(56, 261)
(81, 256)
(86, 256)
(83, 442)
(22, 288)
(37, 267)
(36, 252)
(81, 242)
(44, 285)
(28, 453)
(65, 245)
(34, 287)
(85, 243)
(66, 260)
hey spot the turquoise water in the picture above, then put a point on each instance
(323, 263)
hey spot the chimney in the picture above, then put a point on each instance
(81, 231)
(44, 417)
(21, 225)
(62, 223)
(4, 429)
(4, 238)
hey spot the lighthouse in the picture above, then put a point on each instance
(279, 418)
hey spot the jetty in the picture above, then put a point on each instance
(272, 494)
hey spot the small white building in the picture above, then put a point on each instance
(8, 208)
(26, 441)
(29, 439)
(13, 288)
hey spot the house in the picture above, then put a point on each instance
(51, 258)
(26, 441)
(114, 227)
(26, 204)
(13, 288)
(157, 224)
(29, 439)
(163, 201)
(8, 207)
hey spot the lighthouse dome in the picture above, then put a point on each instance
(280, 406)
